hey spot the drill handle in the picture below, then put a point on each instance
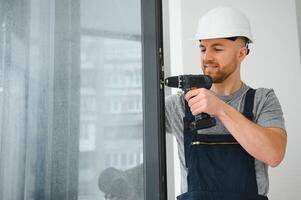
(203, 121)
(203, 116)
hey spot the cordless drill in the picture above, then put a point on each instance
(191, 82)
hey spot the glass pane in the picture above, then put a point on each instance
(71, 100)
(111, 131)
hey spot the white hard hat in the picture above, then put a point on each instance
(223, 22)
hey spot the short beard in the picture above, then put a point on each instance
(220, 77)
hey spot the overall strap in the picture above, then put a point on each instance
(188, 113)
(249, 104)
(187, 133)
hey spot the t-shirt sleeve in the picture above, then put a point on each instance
(269, 111)
(168, 109)
(173, 113)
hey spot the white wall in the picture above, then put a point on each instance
(172, 49)
(274, 62)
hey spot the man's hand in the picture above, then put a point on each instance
(203, 100)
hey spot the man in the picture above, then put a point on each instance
(230, 160)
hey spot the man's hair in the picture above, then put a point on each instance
(244, 39)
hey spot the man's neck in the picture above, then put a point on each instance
(227, 87)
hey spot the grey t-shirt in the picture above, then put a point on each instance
(267, 113)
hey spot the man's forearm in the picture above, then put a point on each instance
(265, 144)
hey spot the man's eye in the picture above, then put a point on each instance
(218, 49)
(203, 50)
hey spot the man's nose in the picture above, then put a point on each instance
(207, 55)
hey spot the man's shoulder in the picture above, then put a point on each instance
(175, 105)
(263, 94)
(264, 91)
(174, 112)
(175, 99)
(264, 97)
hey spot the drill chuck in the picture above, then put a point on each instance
(173, 81)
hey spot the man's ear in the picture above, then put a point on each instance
(243, 52)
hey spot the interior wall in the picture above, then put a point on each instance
(274, 62)
(172, 49)
(298, 8)
(169, 139)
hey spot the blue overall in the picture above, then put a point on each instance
(218, 167)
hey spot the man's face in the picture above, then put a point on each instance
(221, 58)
